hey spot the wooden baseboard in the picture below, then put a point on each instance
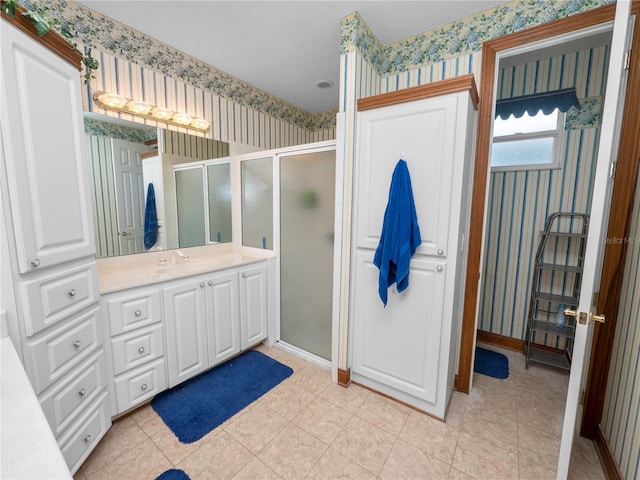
(609, 465)
(501, 341)
(510, 343)
(344, 377)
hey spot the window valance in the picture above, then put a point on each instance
(547, 102)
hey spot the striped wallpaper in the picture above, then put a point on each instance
(230, 121)
(194, 147)
(621, 416)
(103, 196)
(520, 202)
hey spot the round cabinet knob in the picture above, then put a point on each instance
(82, 392)
(440, 251)
(439, 268)
(141, 350)
(77, 344)
(137, 313)
(210, 282)
(72, 292)
(244, 275)
(87, 439)
(35, 262)
(143, 387)
(124, 234)
(202, 284)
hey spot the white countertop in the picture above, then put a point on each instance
(28, 449)
(121, 273)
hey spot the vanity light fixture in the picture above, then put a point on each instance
(118, 103)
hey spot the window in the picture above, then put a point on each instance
(527, 132)
(527, 143)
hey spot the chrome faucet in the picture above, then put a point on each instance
(176, 254)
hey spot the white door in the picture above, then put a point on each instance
(184, 307)
(127, 169)
(609, 136)
(223, 331)
(253, 305)
(413, 320)
(45, 155)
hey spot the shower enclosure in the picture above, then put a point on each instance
(294, 191)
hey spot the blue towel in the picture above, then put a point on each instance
(150, 219)
(400, 234)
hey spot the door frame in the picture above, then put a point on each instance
(625, 181)
(619, 221)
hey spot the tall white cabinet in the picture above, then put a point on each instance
(53, 311)
(409, 348)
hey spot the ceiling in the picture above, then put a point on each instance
(282, 47)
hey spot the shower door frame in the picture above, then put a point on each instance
(275, 322)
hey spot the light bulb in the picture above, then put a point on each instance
(112, 100)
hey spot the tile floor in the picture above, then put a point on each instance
(309, 428)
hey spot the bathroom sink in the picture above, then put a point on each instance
(186, 268)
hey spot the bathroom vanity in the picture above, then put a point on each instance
(166, 322)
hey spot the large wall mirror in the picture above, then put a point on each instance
(191, 183)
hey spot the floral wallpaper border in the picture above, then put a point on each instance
(457, 38)
(589, 115)
(98, 31)
(107, 129)
(466, 35)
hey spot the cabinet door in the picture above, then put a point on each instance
(422, 133)
(253, 305)
(401, 345)
(184, 306)
(45, 153)
(223, 319)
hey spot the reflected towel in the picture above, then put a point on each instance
(150, 219)
(400, 235)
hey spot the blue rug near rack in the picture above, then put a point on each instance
(490, 363)
(197, 406)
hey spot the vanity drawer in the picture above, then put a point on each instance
(136, 348)
(62, 349)
(133, 310)
(139, 385)
(63, 404)
(56, 296)
(85, 434)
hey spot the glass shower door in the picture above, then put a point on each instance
(307, 216)
(219, 193)
(190, 206)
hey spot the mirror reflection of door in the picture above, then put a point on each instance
(127, 168)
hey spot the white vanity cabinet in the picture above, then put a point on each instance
(45, 154)
(253, 304)
(53, 311)
(136, 346)
(186, 321)
(409, 349)
(210, 318)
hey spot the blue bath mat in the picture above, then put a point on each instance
(197, 406)
(492, 364)
(173, 474)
